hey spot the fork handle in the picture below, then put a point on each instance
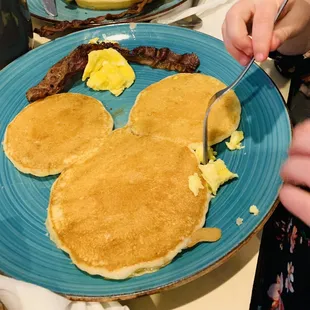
(245, 70)
(225, 90)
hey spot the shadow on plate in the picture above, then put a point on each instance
(71, 6)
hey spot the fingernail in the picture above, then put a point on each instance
(244, 61)
(259, 57)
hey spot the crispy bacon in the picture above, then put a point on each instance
(61, 73)
(163, 58)
(135, 9)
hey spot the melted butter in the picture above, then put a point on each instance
(209, 234)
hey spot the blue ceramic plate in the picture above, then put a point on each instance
(26, 252)
(72, 11)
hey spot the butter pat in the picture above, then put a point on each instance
(195, 184)
(216, 174)
(235, 141)
(254, 210)
(108, 70)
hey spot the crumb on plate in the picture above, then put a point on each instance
(235, 141)
(239, 221)
(254, 210)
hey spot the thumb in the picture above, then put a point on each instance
(289, 26)
(282, 32)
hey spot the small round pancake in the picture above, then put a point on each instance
(50, 134)
(128, 209)
(174, 109)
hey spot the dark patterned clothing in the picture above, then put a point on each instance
(282, 279)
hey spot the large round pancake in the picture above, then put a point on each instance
(174, 108)
(50, 134)
(128, 209)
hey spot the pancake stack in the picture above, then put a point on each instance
(126, 209)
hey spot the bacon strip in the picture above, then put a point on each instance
(135, 9)
(60, 74)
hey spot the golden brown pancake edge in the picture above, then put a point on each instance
(24, 144)
(183, 201)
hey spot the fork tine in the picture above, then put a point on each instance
(205, 156)
(214, 99)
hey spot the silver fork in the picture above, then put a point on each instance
(214, 99)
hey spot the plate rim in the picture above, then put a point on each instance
(139, 18)
(215, 264)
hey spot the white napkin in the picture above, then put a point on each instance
(203, 7)
(17, 295)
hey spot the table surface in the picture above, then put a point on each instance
(230, 285)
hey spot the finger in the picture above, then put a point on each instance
(291, 25)
(296, 170)
(275, 43)
(241, 57)
(301, 139)
(263, 24)
(282, 32)
(237, 20)
(297, 201)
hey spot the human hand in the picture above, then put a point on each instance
(296, 171)
(257, 17)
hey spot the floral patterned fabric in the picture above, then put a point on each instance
(282, 279)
